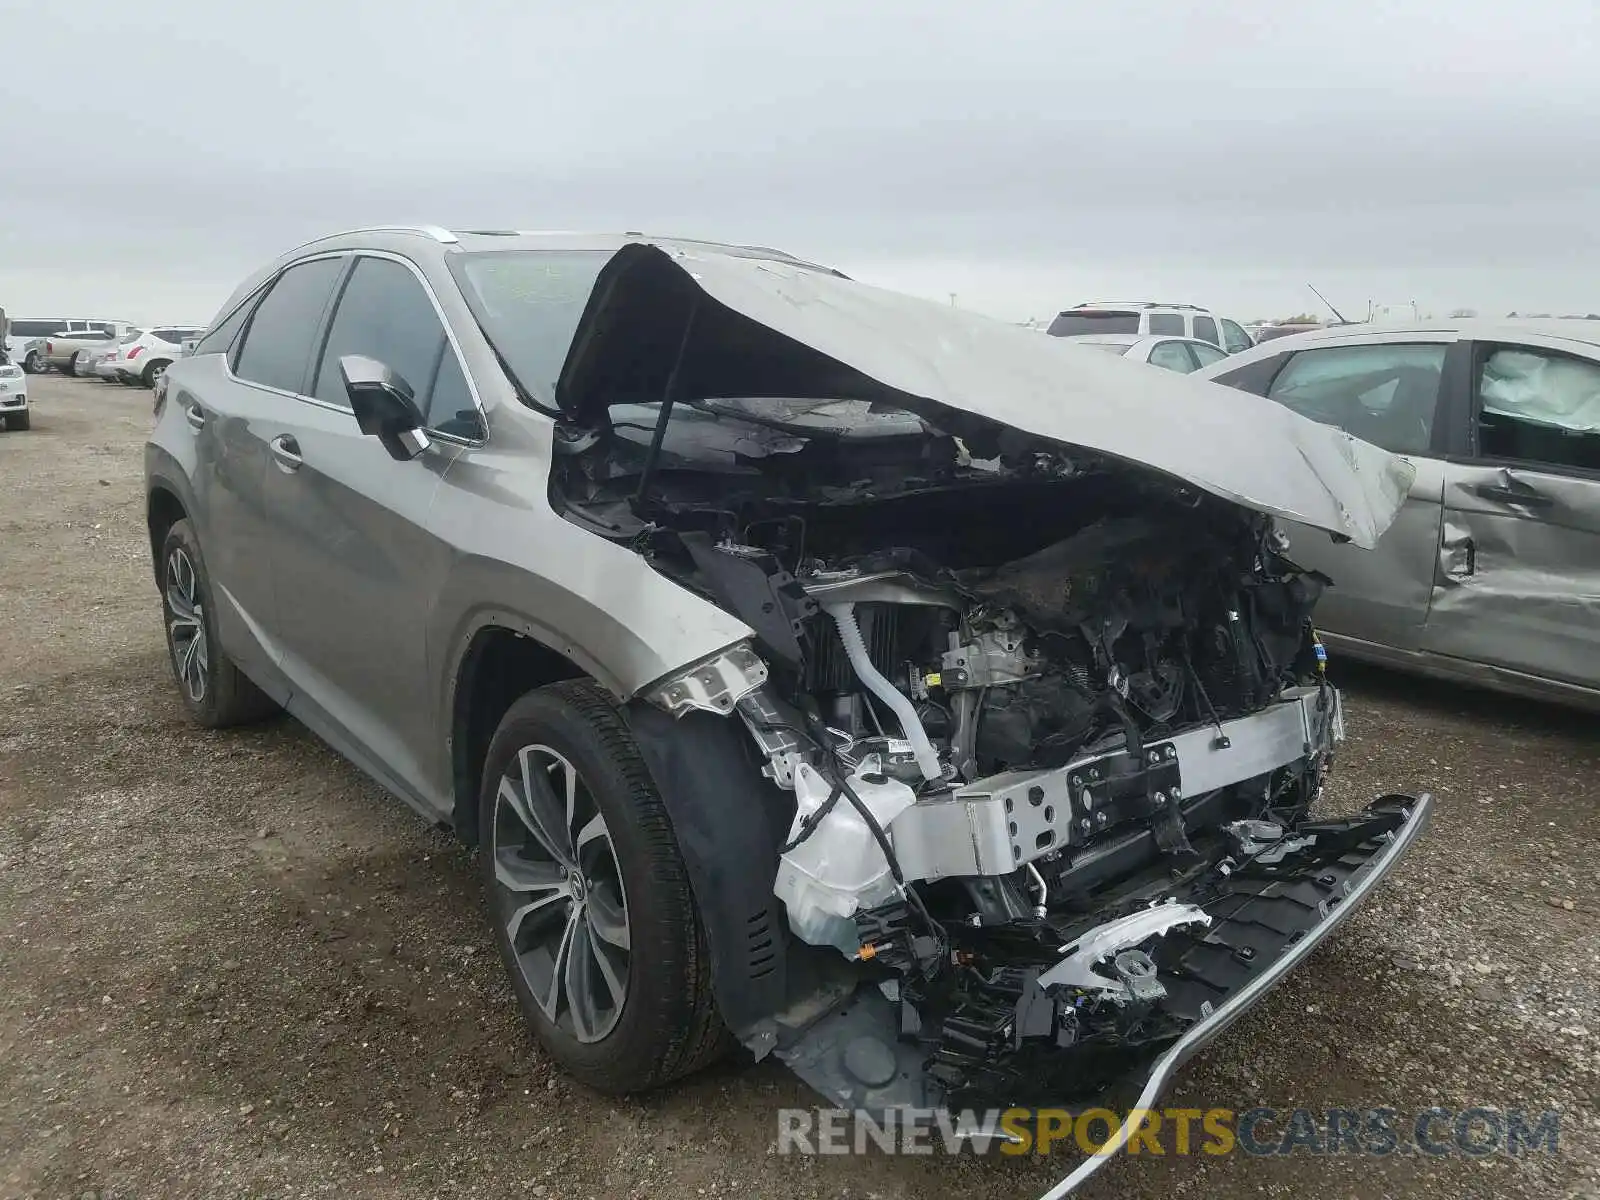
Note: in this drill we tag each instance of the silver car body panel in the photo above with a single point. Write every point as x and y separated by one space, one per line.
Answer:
1491 572
989 826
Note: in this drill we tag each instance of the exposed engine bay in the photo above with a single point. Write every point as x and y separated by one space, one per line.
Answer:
1052 733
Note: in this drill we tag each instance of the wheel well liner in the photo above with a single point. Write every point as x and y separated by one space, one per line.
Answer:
730 823
163 510
498 667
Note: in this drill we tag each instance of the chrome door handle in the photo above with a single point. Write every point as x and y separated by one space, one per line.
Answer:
286 453
195 415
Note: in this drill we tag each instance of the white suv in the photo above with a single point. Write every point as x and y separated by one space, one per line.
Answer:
1148 318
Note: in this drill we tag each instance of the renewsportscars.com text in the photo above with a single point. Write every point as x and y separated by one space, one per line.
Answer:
1474 1132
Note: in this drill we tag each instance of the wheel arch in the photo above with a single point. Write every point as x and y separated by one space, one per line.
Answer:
164 508
499 664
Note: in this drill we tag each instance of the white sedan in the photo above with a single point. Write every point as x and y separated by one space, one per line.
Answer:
1178 354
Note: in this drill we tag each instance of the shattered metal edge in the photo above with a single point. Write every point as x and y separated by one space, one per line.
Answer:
1210 1027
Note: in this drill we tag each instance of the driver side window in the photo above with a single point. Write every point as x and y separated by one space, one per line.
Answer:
385 313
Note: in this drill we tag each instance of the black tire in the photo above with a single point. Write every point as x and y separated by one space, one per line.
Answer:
215 693
147 377
18 422
71 369
30 363
667 1024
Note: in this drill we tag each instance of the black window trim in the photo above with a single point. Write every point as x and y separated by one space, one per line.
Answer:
1475 354
231 358
249 302
325 329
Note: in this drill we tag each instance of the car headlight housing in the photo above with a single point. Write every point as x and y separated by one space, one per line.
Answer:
713 684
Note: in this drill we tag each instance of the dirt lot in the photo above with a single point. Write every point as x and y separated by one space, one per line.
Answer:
230 966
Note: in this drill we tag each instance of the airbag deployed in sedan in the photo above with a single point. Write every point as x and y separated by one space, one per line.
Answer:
765 328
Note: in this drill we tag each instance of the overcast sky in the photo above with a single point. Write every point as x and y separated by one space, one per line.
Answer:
1023 156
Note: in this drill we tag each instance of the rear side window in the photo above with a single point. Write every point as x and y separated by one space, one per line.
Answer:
1070 324
1166 324
1172 356
278 339
220 339
1206 330
385 313
1386 394
37 329
1234 338
175 336
1207 354
1537 406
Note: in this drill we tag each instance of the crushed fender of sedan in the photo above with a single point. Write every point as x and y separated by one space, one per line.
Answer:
1037 707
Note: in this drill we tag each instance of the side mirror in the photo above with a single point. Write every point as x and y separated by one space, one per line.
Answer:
384 407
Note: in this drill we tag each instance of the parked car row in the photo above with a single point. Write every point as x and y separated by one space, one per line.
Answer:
96 349
32 341
139 358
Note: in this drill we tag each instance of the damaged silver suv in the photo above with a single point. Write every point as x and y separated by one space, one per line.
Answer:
882 687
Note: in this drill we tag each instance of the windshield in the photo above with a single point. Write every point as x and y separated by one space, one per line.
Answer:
529 303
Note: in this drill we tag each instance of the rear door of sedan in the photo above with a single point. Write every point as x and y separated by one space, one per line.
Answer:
1519 579
355 567
1384 389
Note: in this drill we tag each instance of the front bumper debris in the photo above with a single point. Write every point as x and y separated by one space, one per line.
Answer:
1261 925
1332 912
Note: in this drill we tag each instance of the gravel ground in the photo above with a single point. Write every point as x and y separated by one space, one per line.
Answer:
230 966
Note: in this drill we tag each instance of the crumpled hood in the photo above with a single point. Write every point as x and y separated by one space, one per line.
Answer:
763 328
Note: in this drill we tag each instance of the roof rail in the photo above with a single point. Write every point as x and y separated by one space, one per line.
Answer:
437 232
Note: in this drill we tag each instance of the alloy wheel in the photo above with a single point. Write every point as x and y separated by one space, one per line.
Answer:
186 625
559 893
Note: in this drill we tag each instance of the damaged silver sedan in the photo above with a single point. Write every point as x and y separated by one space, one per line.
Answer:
902 694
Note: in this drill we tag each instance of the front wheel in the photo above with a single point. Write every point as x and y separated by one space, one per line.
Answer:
215 692
18 422
590 898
